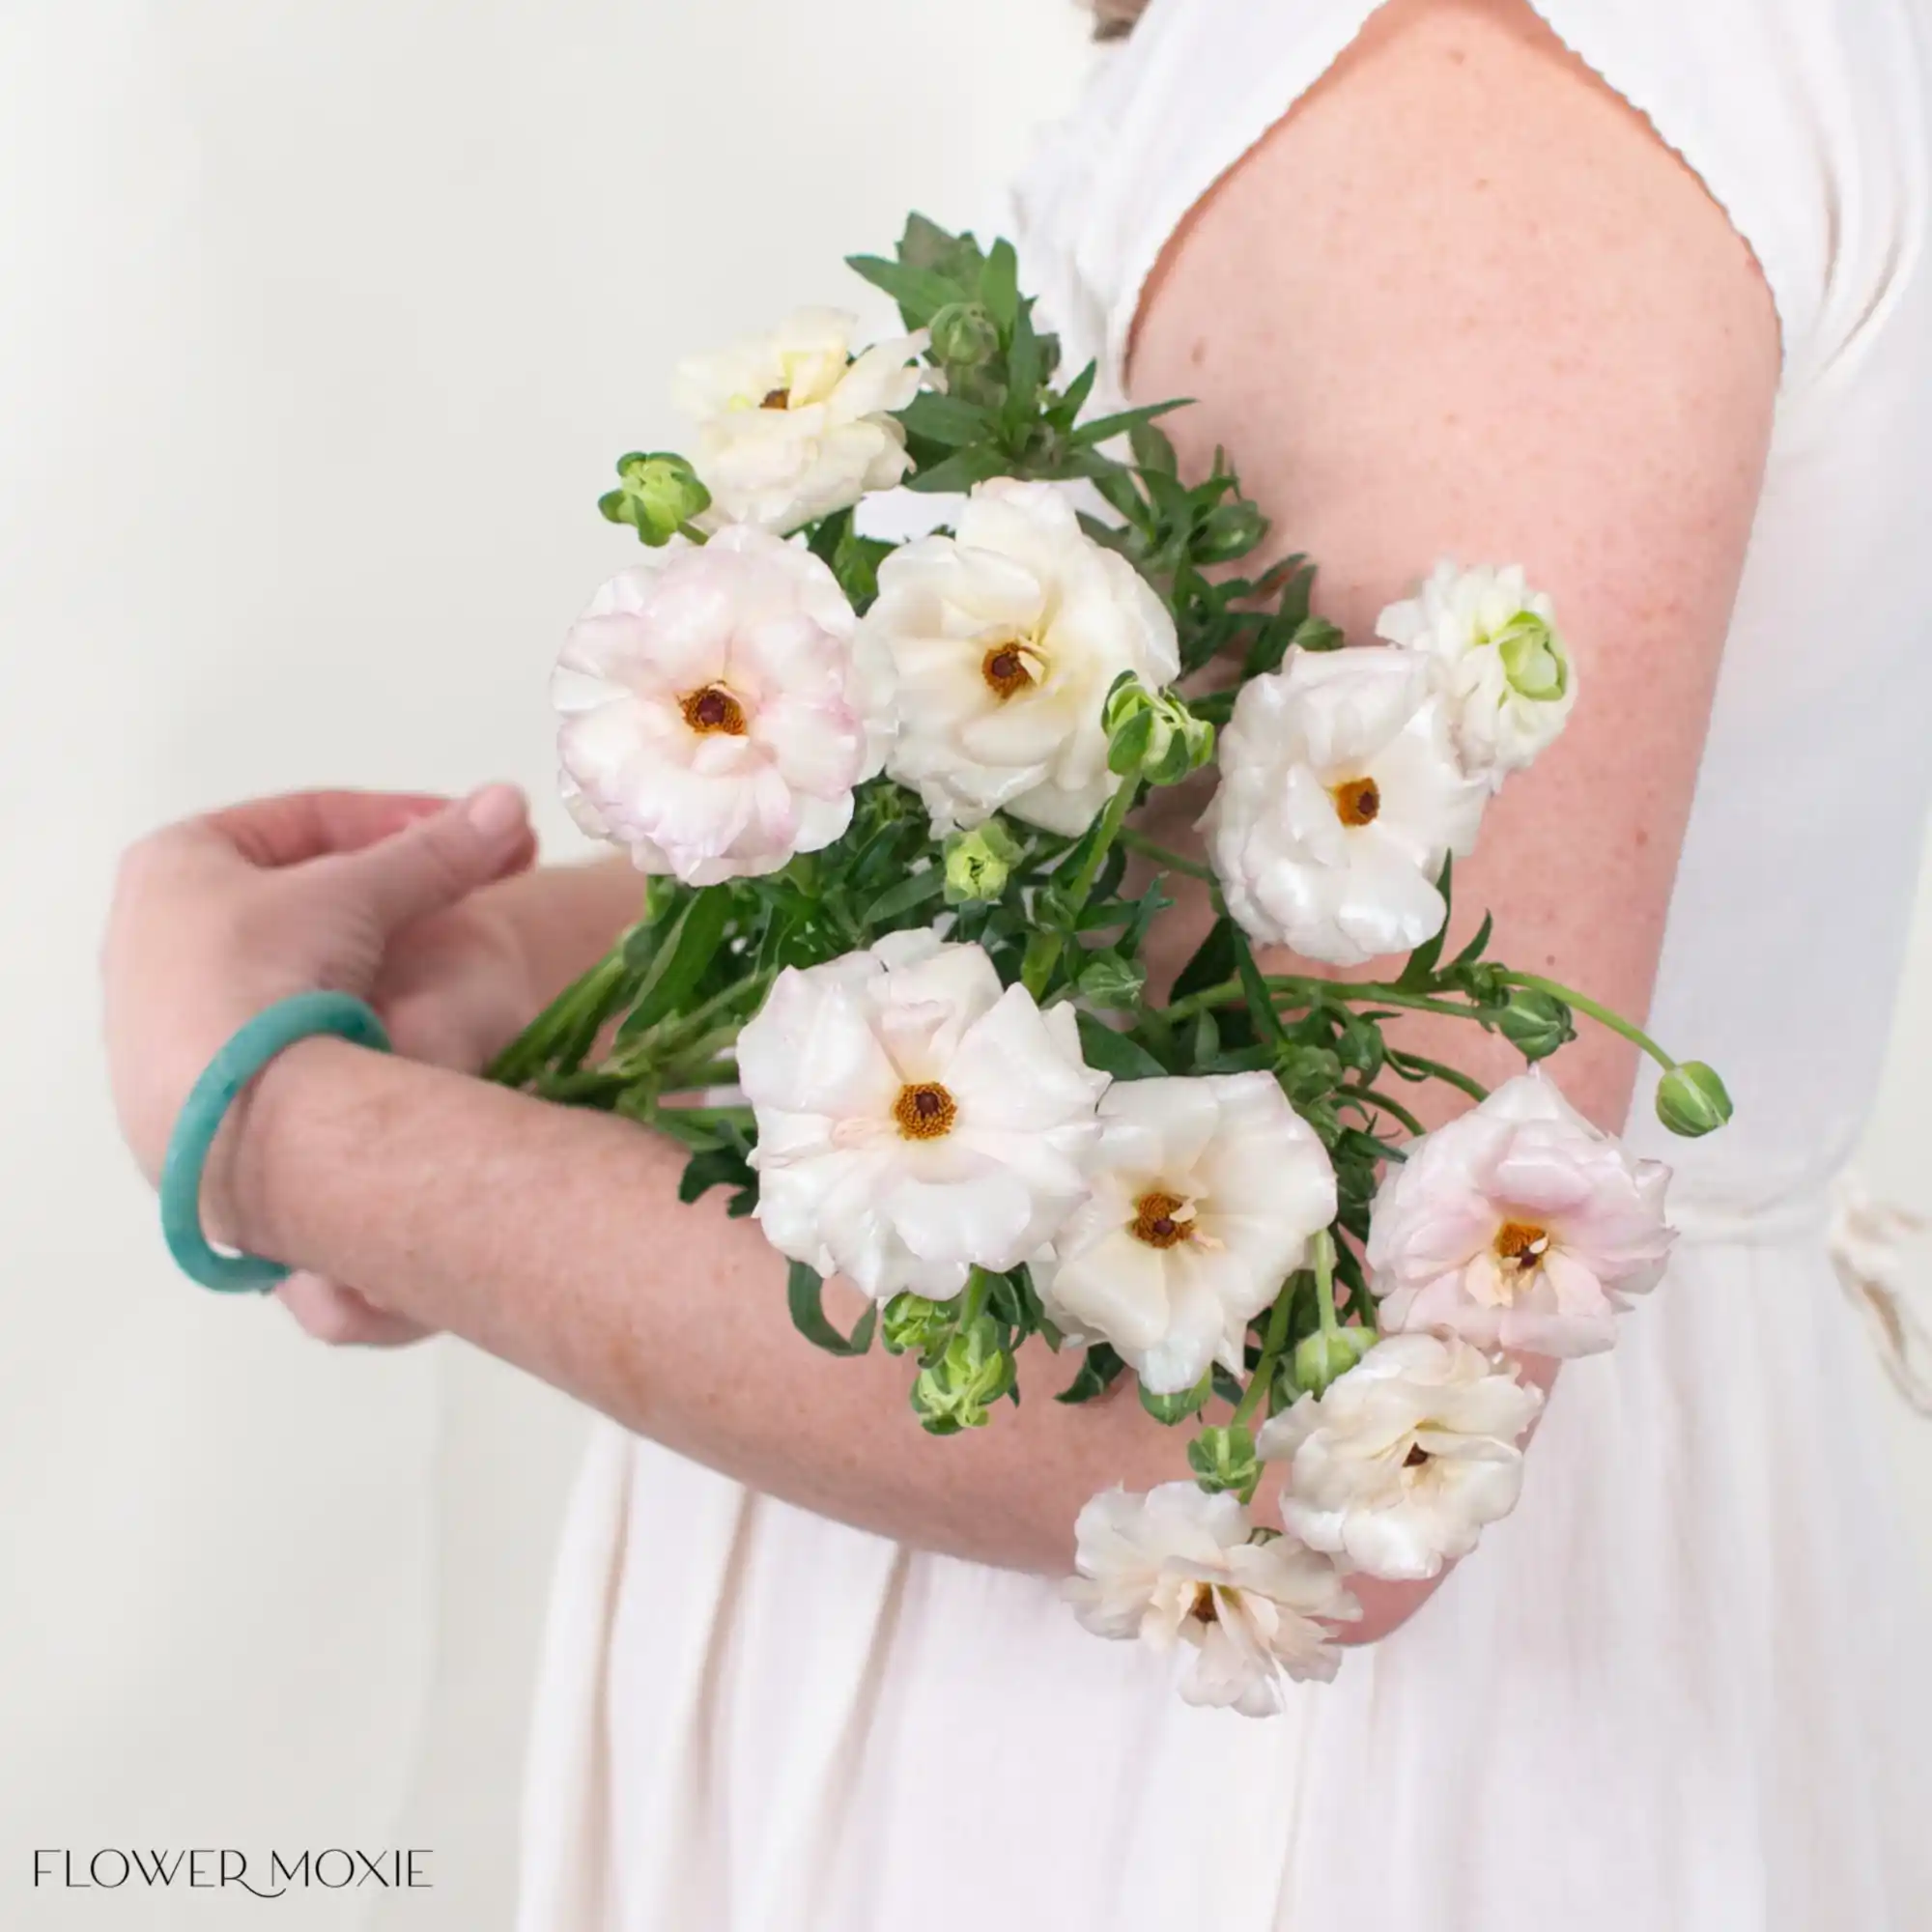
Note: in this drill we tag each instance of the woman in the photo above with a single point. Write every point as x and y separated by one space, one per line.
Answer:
1440 286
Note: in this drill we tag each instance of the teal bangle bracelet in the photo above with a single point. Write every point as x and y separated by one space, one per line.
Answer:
268 1034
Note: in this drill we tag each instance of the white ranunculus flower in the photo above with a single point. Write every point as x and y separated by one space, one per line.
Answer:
1340 797
913 1118
1399 1464
1004 641
715 716
1177 1566
1517 1226
791 427
1493 645
1205 1194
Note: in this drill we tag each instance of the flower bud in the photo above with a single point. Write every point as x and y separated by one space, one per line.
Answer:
954 1392
1154 733
979 863
964 334
1183 1403
1328 1355
910 1324
656 494
1533 658
1109 981
1536 1023
1692 1100
1224 1458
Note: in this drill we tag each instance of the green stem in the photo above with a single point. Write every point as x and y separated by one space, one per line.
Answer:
1273 1345
1168 861
536 1045
1323 1246
1435 1071
1382 1100
1599 1012
1043 956
979 1284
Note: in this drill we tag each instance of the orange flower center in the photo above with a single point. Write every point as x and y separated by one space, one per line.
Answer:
1007 672
714 709
776 399
925 1112
1201 1608
1160 1220
1357 800
1521 1245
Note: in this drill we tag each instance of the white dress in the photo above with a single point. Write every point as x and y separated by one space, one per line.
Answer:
1681 1688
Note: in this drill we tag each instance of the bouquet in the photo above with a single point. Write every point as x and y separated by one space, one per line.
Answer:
888 983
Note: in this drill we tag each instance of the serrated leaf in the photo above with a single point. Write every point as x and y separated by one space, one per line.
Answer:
805 1290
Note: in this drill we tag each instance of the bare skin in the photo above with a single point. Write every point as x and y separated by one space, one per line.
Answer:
1460 300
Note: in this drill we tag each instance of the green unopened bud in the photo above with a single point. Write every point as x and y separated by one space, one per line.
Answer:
1180 1405
964 334
956 1390
1328 1355
656 494
910 1324
1154 733
1534 659
1230 530
1692 1100
1224 1458
979 863
1109 981
1536 1023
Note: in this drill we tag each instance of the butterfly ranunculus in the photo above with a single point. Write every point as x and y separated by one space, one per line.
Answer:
1005 639
716 717
1518 1225
1493 645
791 426
1203 1195
914 1119
1340 798
1177 1566
1398 1465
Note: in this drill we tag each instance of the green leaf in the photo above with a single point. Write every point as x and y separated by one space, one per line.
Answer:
723 1167
1153 452
946 419
1476 948
676 966
805 1288
1000 285
1114 1053
1025 365
925 244
1213 961
1421 967
1178 1407
959 471
1102 428
1318 634
1077 391
1098 1373
920 292
912 891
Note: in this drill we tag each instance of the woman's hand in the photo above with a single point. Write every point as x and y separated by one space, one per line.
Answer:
375 895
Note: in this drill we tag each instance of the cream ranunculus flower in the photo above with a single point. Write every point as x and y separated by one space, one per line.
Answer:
1177 1566
1004 638
1399 1465
1498 659
1205 1194
915 1119
715 716
1518 1225
791 427
1340 797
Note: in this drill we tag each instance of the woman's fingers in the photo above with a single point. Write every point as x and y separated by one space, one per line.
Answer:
302 825
435 861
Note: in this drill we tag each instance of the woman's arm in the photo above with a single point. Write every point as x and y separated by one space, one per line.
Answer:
1460 299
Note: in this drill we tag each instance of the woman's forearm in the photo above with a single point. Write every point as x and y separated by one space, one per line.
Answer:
555 1239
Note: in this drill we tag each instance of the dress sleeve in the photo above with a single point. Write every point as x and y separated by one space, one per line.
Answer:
1804 119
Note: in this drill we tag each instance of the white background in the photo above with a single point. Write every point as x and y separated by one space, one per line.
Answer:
321 321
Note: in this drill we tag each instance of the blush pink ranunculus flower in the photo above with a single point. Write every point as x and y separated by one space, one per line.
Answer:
1517 1226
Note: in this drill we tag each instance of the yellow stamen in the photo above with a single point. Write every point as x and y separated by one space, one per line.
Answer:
713 708
1357 800
925 1112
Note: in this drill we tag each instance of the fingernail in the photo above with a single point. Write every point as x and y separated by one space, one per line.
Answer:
497 812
